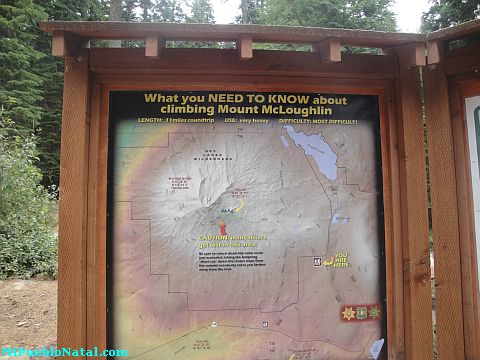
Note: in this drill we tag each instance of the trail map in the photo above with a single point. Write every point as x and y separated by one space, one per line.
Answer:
245 226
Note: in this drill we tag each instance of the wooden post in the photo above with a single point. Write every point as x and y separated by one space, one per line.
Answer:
72 227
330 50
154 45
444 216
433 52
414 217
66 45
409 55
245 48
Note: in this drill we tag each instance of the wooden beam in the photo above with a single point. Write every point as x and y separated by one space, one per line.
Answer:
445 230
409 55
154 45
245 48
463 61
414 217
65 44
226 62
330 50
456 32
72 226
433 52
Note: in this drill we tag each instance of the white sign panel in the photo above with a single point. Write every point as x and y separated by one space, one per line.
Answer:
472 106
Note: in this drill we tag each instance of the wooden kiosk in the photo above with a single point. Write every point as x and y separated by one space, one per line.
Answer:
395 78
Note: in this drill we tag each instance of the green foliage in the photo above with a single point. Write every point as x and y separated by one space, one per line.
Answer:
20 91
48 130
28 242
350 14
70 10
445 13
128 11
50 71
252 11
168 11
201 12
145 6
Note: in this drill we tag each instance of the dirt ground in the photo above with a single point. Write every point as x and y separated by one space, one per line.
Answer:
28 313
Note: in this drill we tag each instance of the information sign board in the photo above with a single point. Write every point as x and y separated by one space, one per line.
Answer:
245 225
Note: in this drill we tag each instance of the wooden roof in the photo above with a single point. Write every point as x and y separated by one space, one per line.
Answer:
455 32
69 36
206 32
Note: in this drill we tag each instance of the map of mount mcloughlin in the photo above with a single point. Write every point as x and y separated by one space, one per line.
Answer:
246 240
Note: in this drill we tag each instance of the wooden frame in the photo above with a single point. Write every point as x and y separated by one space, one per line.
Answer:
414 218
459 90
445 229
447 84
104 83
395 78
73 205
471 289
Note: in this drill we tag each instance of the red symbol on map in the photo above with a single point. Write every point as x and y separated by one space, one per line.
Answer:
223 232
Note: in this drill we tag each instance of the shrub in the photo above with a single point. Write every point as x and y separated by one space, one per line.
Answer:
28 239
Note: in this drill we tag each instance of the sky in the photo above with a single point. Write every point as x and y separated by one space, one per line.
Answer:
408 12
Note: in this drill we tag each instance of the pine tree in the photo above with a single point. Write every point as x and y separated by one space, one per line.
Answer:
71 10
201 12
250 11
350 14
129 15
20 86
50 70
128 11
168 11
48 133
145 6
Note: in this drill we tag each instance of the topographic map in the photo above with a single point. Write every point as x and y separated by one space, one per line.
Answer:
246 236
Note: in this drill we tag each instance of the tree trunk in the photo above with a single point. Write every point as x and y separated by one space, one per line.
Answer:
244 11
115 15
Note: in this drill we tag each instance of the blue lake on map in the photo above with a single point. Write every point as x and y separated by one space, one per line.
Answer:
316 146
